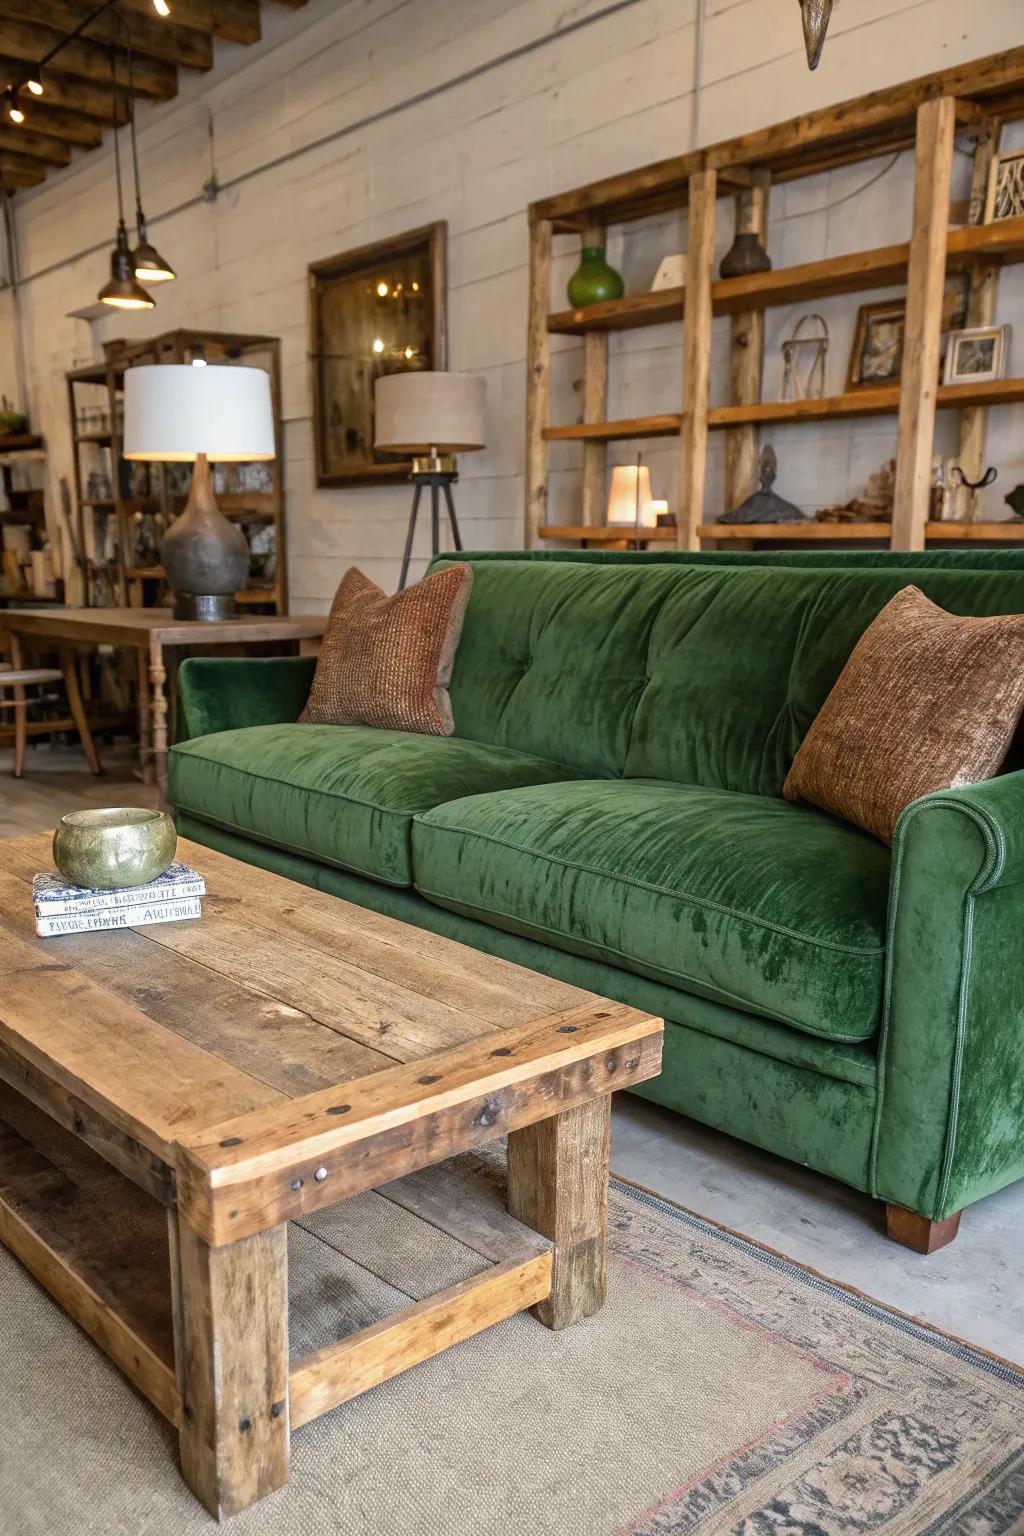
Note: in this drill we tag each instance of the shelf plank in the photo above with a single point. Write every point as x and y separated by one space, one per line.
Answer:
602 533
811 531
633 312
608 431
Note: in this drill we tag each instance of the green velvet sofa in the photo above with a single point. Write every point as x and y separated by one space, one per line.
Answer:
610 812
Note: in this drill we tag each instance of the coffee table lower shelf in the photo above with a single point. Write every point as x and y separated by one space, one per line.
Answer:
366 1292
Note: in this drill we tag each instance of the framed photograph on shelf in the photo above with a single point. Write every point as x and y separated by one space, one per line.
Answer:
1005 187
877 355
978 355
377 310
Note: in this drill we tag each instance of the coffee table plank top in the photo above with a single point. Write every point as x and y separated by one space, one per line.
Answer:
278 992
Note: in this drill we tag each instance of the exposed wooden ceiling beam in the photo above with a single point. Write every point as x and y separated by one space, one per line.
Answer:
88 61
36 146
237 21
68 92
150 37
18 171
59 123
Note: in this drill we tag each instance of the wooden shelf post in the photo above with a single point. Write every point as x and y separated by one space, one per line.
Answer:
693 435
982 287
926 278
746 355
595 407
538 380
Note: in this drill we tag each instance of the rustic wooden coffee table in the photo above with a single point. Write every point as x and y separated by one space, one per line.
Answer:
225 1081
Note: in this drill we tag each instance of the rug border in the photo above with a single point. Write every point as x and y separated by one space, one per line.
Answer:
849 1295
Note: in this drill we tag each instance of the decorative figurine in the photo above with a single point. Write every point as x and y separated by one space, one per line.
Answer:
803 357
816 15
764 506
874 506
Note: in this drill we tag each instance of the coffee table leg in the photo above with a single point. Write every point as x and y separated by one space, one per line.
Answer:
231 1355
558 1184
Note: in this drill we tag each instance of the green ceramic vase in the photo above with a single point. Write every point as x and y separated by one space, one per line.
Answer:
594 280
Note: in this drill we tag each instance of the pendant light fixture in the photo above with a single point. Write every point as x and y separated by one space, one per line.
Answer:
147 263
123 291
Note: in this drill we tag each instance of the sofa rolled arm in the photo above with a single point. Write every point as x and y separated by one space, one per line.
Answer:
949 1124
222 693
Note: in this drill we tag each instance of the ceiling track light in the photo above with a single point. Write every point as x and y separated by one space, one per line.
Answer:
123 291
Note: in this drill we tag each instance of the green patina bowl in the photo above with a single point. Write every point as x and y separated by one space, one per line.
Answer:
125 845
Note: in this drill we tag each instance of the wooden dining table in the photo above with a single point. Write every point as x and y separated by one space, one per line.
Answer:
157 638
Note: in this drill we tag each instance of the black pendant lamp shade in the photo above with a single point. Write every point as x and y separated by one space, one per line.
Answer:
123 290
147 262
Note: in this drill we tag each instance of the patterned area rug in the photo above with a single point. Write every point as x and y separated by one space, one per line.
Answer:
722 1391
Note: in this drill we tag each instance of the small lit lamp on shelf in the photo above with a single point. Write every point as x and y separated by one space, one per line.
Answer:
176 413
630 504
432 416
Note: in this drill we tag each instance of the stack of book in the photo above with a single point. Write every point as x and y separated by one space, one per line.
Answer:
62 908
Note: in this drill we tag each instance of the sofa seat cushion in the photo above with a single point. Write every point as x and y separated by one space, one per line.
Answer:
344 794
774 908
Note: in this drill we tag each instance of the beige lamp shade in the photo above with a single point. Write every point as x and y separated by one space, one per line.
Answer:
420 411
174 411
629 500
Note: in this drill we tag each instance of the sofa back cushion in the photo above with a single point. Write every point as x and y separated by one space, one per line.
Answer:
700 674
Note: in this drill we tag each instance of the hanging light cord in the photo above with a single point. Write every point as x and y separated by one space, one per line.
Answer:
117 148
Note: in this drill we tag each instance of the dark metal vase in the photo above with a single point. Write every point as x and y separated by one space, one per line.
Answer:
205 558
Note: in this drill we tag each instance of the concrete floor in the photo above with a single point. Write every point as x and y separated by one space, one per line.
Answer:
971 1289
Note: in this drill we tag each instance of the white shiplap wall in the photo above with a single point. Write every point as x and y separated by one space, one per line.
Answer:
468 111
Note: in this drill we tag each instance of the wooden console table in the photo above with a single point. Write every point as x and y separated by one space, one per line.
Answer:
150 632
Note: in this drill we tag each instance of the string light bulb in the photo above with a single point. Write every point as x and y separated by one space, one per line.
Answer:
382 289
14 112
161 7
35 83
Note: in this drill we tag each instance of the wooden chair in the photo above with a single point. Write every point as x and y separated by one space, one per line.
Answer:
16 678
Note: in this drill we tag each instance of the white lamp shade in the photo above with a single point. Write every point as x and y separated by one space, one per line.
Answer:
173 411
419 411
629 500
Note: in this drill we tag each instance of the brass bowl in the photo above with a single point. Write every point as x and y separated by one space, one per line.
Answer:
125 845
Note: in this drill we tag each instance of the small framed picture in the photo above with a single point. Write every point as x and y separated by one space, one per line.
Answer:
1005 187
877 355
978 355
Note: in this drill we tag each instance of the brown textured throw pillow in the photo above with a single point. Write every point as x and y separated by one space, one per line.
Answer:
387 661
928 700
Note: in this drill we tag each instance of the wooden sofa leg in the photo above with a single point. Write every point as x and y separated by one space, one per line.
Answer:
917 1232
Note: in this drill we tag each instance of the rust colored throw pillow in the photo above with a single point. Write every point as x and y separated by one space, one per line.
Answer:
387 661
928 700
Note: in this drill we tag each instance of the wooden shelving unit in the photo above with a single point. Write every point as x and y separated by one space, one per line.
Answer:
923 114
100 448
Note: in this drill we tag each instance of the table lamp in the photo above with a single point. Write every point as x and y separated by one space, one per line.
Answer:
179 413
432 416
630 503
